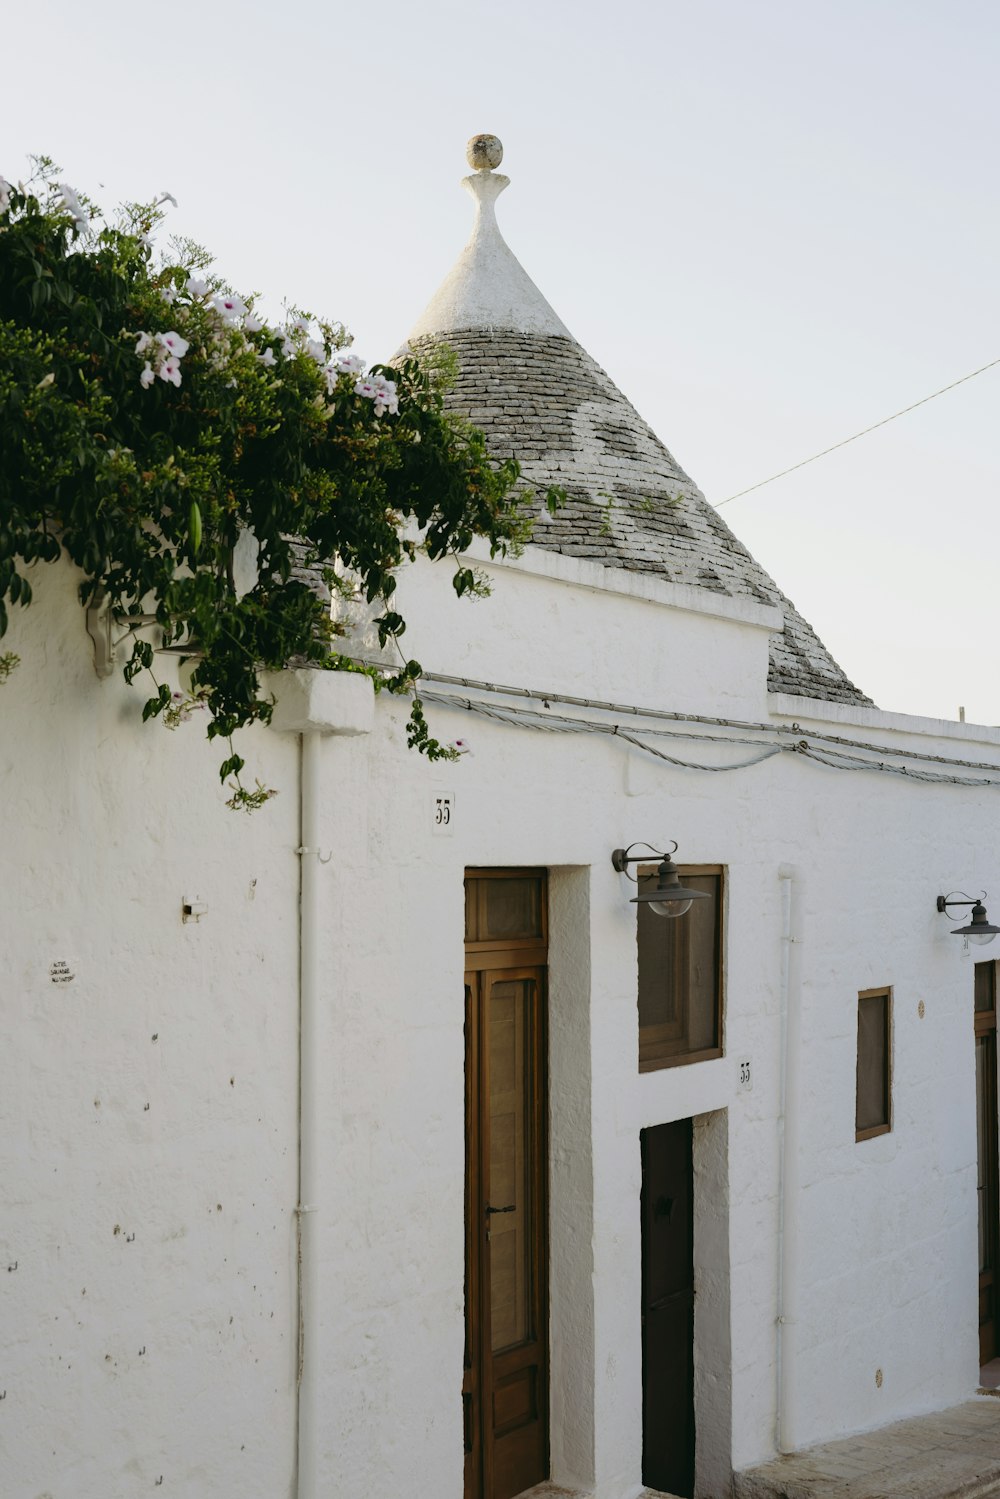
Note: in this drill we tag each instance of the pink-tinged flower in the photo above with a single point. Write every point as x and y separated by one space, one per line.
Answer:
348 364
381 391
144 342
196 288
147 377
267 357
170 370
252 323
229 308
174 344
299 327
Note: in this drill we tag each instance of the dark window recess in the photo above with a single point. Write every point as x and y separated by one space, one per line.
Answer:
680 976
873 1113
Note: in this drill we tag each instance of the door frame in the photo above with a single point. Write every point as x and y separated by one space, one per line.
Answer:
516 958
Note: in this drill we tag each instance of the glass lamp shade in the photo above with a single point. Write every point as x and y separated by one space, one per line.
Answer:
670 907
669 897
979 929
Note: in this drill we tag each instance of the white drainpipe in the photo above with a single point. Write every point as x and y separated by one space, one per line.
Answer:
789 1185
312 704
310 873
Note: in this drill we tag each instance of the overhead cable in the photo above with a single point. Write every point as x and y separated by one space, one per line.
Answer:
835 759
669 716
863 433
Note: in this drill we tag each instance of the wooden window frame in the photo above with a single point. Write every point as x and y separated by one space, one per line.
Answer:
648 1060
883 991
525 949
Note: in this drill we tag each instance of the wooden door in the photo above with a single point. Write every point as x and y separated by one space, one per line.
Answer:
505 1390
987 1179
667 1209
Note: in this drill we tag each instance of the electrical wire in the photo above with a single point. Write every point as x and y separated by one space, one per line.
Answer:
834 759
665 715
525 718
863 433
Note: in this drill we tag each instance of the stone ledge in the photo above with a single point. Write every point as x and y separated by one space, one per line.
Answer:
324 702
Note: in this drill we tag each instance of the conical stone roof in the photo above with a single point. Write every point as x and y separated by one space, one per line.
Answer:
538 396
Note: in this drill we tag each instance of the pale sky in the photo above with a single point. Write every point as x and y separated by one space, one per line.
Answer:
773 223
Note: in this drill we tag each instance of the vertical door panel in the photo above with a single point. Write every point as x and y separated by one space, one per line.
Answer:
987 1182
667 1209
506 1377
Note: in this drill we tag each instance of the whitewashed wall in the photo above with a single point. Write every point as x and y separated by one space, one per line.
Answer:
888 1227
114 821
147 1106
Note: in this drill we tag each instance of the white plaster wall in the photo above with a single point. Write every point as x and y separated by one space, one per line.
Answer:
888 1227
591 641
148 1107
115 821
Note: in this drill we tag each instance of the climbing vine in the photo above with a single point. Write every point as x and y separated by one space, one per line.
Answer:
156 431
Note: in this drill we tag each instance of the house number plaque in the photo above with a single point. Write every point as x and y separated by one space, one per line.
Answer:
443 813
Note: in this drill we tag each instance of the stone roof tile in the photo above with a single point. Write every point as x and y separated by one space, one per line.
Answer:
629 503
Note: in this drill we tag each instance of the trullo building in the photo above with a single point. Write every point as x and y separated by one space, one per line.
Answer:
700 1168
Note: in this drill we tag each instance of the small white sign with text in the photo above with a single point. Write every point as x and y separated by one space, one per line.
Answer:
744 1075
442 813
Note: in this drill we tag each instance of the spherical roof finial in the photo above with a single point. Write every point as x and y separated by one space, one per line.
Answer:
484 152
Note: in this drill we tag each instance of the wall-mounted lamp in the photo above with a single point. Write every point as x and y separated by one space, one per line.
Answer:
978 928
668 897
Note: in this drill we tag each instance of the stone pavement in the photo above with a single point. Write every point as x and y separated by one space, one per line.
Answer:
953 1454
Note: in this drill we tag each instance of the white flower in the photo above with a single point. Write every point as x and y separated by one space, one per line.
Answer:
5 192
147 377
348 364
287 347
45 381
144 342
174 344
252 323
169 294
170 370
316 351
196 288
267 357
299 327
230 309
381 391
70 201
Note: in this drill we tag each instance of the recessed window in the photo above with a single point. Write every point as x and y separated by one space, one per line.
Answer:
873 1113
680 974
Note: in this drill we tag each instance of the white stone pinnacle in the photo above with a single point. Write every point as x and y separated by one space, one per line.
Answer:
487 287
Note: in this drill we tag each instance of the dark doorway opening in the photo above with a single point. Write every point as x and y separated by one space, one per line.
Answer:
987 1180
667 1209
